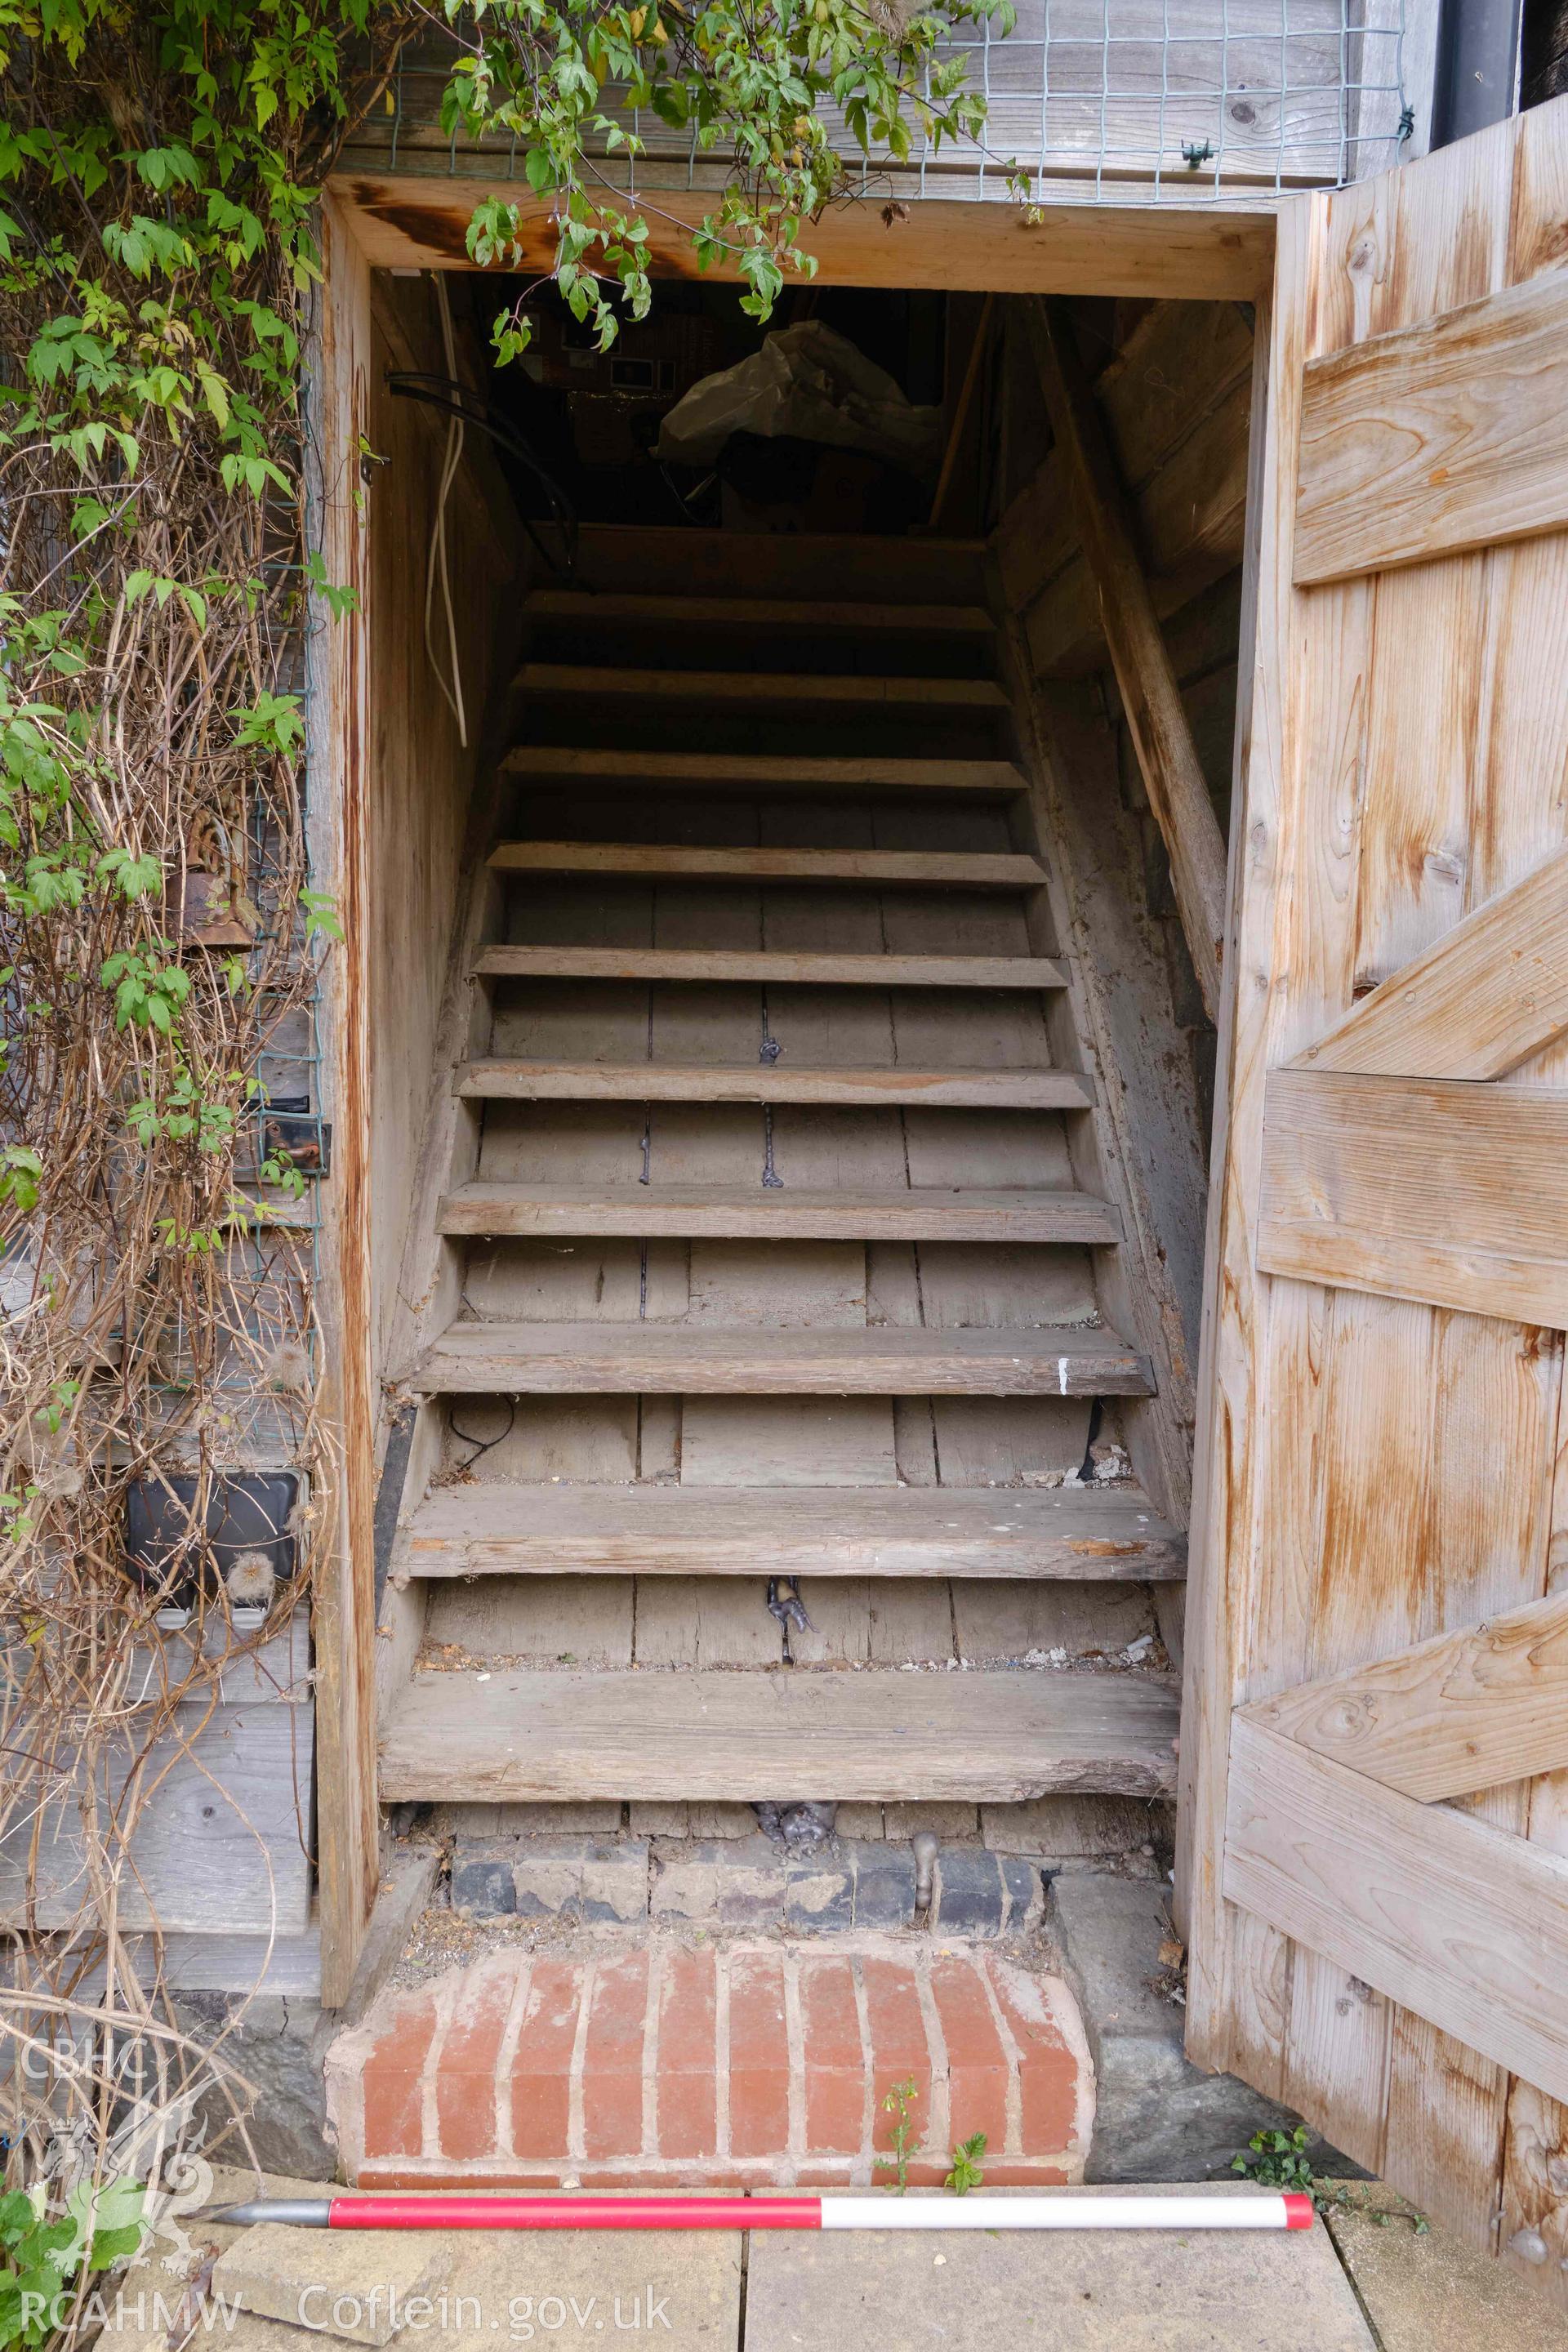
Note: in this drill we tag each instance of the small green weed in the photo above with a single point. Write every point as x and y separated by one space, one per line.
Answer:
966 2173
40 2259
1356 2197
1276 2159
898 2102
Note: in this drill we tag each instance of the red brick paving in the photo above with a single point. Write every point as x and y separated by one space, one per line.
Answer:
393 2081
542 2067
759 2069
612 2073
685 2085
751 2065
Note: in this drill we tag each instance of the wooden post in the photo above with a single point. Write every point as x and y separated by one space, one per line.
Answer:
346 1812
1161 738
961 413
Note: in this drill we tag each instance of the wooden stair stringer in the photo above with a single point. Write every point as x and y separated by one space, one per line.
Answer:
1140 1286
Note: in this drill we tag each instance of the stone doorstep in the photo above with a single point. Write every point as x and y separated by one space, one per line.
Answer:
749 1881
1157 2115
662 2062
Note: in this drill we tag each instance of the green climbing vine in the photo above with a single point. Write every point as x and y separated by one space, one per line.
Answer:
160 936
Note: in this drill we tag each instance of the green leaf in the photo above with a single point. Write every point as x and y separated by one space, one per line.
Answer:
18 2214
112 2246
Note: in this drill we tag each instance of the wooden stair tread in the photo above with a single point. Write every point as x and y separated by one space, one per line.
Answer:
1076 1532
508 1078
752 689
761 1359
772 968
614 608
893 868
1001 1736
727 1212
770 772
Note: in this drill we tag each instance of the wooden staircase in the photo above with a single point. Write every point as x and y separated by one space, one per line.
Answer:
765 1230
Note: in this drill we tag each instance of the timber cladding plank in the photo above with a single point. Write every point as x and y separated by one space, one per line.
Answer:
724 1213
883 1735
1449 434
890 868
829 775
679 1358
1462 1712
224 1798
771 968
1426 1189
772 1082
1088 1534
1493 992
1462 1923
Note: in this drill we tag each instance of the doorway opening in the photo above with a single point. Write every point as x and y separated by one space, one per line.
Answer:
789 1285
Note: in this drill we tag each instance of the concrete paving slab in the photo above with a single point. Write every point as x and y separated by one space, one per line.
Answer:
355 2284
679 2290
1434 2293
1203 2291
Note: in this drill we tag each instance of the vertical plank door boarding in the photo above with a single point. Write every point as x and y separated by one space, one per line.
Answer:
1374 1831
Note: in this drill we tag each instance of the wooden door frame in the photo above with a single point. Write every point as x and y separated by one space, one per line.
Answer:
409 222
1222 252
337 379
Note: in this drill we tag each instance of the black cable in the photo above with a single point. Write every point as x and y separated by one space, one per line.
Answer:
483 1444
471 408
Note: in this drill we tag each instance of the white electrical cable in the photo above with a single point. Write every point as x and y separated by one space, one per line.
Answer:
437 555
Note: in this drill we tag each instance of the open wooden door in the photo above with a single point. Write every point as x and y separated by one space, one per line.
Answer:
1375 1741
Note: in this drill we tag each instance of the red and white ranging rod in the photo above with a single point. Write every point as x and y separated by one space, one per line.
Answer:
1061 2211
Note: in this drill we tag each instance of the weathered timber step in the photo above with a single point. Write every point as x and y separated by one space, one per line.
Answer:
517 1737
773 774
775 615
724 1213
678 1359
918 869
1091 1533
787 690
511 1080
772 968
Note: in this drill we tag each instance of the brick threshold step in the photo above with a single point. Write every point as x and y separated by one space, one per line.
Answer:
758 2064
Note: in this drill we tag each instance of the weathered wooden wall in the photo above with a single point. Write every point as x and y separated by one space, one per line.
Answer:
1165 380
1173 384
1173 381
1375 1470
421 775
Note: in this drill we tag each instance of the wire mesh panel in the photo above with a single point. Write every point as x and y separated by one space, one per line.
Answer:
1184 101
1188 98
